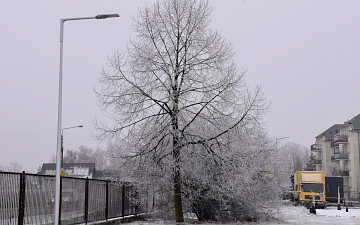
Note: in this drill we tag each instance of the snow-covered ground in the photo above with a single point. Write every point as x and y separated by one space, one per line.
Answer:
330 215
296 215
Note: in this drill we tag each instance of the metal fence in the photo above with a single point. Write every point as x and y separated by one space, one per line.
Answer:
29 199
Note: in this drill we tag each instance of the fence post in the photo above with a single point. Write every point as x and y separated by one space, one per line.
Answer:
21 199
123 201
107 200
86 199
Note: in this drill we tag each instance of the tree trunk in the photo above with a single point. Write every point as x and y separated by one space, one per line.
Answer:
177 178
177 198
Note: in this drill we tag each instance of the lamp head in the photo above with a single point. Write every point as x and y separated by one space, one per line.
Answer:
104 16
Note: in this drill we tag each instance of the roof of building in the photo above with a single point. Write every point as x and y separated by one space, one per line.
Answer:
102 174
334 129
355 122
73 169
330 132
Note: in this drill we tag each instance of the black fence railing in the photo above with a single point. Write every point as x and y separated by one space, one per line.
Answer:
29 199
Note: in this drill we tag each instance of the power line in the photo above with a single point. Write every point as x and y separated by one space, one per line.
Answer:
21 137
68 143
4 135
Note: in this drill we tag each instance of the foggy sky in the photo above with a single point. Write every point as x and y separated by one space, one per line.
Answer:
304 53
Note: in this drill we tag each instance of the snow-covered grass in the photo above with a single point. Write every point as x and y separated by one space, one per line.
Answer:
330 215
289 214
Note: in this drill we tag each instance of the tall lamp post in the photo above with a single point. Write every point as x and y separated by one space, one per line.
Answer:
58 149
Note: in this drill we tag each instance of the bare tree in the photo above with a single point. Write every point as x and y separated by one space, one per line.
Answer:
39 169
293 156
232 183
333 169
88 155
14 167
177 87
52 159
70 156
310 163
85 155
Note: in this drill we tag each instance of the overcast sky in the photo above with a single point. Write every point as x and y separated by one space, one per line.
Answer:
306 55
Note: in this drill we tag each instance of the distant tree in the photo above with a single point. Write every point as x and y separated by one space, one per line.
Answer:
39 169
70 156
14 167
298 164
290 157
333 169
177 92
310 163
52 159
87 155
102 160
293 156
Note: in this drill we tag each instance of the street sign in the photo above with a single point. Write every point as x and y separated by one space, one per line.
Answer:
63 173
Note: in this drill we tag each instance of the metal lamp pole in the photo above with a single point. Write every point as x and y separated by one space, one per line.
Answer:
58 149
62 143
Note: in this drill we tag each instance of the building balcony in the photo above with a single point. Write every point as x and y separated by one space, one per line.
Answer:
338 156
315 148
317 161
340 138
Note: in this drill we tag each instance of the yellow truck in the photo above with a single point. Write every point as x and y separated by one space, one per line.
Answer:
309 186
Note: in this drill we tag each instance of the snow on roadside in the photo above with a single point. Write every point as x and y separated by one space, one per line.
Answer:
330 215
294 215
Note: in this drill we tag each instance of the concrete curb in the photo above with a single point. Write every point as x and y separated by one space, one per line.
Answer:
126 219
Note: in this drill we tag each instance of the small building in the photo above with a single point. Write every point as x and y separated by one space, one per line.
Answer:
80 170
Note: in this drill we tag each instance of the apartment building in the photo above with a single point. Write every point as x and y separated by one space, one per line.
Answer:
337 152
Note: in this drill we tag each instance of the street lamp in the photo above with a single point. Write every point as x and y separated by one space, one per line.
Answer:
62 143
59 131
276 141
